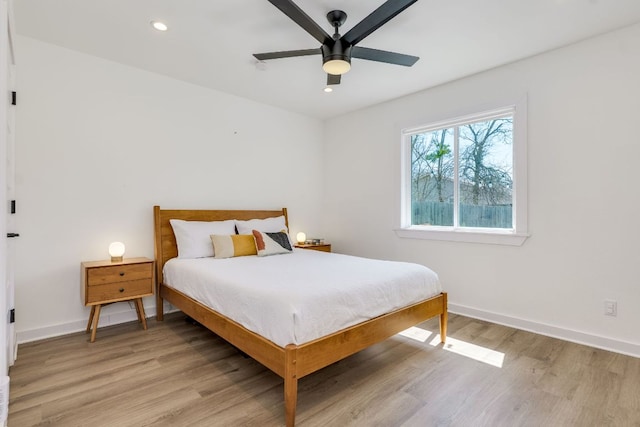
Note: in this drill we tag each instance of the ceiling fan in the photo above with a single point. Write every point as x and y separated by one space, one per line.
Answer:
338 50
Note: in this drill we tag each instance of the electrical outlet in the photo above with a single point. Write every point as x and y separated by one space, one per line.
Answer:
610 308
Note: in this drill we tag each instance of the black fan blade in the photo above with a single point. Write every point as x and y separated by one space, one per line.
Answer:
383 56
333 79
287 54
290 9
375 20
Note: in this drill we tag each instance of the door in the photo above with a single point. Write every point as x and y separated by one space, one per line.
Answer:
12 345
7 173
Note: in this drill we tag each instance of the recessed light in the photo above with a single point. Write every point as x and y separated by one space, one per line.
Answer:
328 89
160 26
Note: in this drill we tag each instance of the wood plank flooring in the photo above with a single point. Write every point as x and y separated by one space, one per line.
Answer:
180 374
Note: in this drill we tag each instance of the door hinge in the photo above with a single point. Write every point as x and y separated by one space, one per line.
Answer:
12 315
14 98
12 207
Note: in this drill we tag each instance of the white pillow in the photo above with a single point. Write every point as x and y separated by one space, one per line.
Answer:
193 237
267 225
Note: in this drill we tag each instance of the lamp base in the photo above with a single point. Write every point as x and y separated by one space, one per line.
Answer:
116 259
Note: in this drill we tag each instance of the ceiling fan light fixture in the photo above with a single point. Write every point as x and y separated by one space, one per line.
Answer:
336 59
336 66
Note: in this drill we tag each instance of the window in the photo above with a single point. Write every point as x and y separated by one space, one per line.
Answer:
464 179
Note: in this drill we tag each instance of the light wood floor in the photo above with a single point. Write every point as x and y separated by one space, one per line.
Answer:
179 374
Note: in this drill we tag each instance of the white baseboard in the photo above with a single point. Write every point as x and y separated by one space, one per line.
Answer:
106 319
592 340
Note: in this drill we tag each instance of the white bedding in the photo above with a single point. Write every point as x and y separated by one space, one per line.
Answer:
298 297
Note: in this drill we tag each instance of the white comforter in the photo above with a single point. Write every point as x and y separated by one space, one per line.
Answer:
298 297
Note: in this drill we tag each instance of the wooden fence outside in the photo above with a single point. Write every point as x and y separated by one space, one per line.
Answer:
441 213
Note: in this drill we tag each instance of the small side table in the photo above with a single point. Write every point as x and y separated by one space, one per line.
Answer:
106 282
324 247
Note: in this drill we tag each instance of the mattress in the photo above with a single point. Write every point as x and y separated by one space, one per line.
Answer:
299 297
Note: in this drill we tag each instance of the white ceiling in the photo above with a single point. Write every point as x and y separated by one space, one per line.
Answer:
211 42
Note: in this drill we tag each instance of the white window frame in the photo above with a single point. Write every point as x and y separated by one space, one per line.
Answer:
515 236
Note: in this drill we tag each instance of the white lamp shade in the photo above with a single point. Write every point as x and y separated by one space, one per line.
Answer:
116 250
301 237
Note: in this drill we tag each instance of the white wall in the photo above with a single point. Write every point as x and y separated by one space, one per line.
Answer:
583 161
99 143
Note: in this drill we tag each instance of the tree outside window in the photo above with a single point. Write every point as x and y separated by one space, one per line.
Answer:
462 175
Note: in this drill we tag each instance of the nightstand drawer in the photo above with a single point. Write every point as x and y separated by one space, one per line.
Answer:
119 291
322 247
119 273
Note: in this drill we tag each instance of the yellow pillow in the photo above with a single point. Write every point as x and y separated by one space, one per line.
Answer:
228 246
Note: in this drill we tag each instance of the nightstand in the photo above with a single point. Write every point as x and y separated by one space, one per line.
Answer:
106 282
324 247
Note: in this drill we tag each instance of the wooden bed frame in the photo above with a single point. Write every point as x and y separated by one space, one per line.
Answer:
293 361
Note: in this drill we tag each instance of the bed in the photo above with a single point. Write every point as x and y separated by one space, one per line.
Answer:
291 357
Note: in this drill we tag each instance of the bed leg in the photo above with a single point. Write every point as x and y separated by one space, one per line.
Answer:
290 385
444 318
159 306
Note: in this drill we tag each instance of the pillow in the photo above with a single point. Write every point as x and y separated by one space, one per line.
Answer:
228 246
272 243
269 225
193 238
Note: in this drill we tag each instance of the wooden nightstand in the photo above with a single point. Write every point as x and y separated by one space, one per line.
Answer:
324 247
106 282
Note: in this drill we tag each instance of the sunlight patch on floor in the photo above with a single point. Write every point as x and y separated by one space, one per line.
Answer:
476 352
416 333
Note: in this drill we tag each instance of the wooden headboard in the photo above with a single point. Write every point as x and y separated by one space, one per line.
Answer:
165 246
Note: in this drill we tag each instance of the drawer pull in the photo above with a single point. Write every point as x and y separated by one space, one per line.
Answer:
122 273
121 289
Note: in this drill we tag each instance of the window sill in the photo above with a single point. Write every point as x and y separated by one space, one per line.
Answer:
468 236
